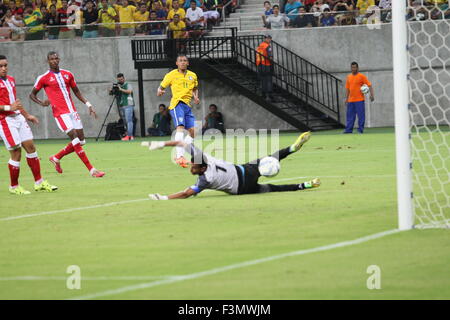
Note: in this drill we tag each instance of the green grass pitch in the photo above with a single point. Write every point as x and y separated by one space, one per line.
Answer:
130 243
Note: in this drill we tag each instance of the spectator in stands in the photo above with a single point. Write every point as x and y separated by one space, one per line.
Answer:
14 8
33 21
75 17
417 12
355 99
155 28
63 18
291 9
304 19
277 20
267 11
214 120
56 3
15 23
126 13
195 20
385 6
264 67
161 122
3 9
308 4
108 17
142 16
90 18
326 19
176 10
345 14
210 12
52 23
161 13
362 6
177 28
187 4
44 11
35 4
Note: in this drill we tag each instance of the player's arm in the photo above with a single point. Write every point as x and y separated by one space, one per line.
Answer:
77 93
25 113
179 195
33 97
167 81
195 95
347 93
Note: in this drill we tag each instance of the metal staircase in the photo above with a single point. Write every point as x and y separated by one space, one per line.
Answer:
305 96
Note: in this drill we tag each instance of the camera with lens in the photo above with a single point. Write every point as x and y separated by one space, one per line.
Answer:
115 90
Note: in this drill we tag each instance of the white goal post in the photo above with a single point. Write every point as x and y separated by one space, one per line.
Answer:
421 61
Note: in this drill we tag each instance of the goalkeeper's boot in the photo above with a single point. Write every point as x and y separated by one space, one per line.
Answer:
301 140
182 162
315 183
18 190
45 186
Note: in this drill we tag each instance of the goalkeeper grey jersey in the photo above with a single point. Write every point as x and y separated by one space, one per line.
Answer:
220 175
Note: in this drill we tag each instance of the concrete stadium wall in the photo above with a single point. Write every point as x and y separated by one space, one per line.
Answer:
95 62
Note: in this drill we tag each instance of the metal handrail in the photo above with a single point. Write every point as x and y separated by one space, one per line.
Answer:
238 2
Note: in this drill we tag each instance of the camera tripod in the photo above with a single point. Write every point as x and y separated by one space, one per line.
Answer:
116 99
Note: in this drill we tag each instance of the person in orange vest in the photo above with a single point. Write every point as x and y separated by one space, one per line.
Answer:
264 59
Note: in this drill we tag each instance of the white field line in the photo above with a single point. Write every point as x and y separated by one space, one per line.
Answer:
109 204
201 274
83 278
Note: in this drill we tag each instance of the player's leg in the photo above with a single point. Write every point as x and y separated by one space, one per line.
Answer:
34 163
351 116
78 141
263 188
11 137
283 153
65 125
361 112
178 120
72 126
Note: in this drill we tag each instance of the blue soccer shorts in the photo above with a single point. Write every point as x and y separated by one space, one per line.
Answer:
182 116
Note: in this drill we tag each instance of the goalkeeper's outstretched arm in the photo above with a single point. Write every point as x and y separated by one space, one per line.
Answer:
179 195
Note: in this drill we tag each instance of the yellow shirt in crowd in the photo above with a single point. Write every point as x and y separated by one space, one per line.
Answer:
126 14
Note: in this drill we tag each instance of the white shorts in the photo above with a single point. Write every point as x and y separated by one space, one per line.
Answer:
14 130
69 121
211 14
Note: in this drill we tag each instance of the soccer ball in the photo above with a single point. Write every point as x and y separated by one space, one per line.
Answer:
269 166
365 89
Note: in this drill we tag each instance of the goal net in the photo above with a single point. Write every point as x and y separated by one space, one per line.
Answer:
428 55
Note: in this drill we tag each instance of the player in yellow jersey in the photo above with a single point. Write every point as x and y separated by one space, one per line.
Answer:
184 86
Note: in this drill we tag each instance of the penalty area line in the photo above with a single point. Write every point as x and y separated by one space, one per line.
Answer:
201 274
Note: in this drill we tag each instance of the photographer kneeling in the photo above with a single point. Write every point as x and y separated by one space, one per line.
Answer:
124 93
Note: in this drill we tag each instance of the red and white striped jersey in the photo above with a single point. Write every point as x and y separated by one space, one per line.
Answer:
7 95
57 87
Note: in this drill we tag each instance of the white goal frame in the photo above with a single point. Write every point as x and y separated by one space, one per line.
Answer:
401 103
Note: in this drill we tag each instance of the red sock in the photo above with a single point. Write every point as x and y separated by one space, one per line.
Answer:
65 151
35 166
81 154
14 170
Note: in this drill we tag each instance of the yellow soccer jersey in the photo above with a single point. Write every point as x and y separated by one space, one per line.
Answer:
182 86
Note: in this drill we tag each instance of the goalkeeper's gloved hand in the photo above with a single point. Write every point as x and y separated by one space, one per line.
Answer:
157 196
156 145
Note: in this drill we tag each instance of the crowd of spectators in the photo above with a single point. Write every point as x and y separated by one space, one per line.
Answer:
325 13
67 19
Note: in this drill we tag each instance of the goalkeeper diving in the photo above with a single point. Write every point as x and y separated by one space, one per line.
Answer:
224 176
